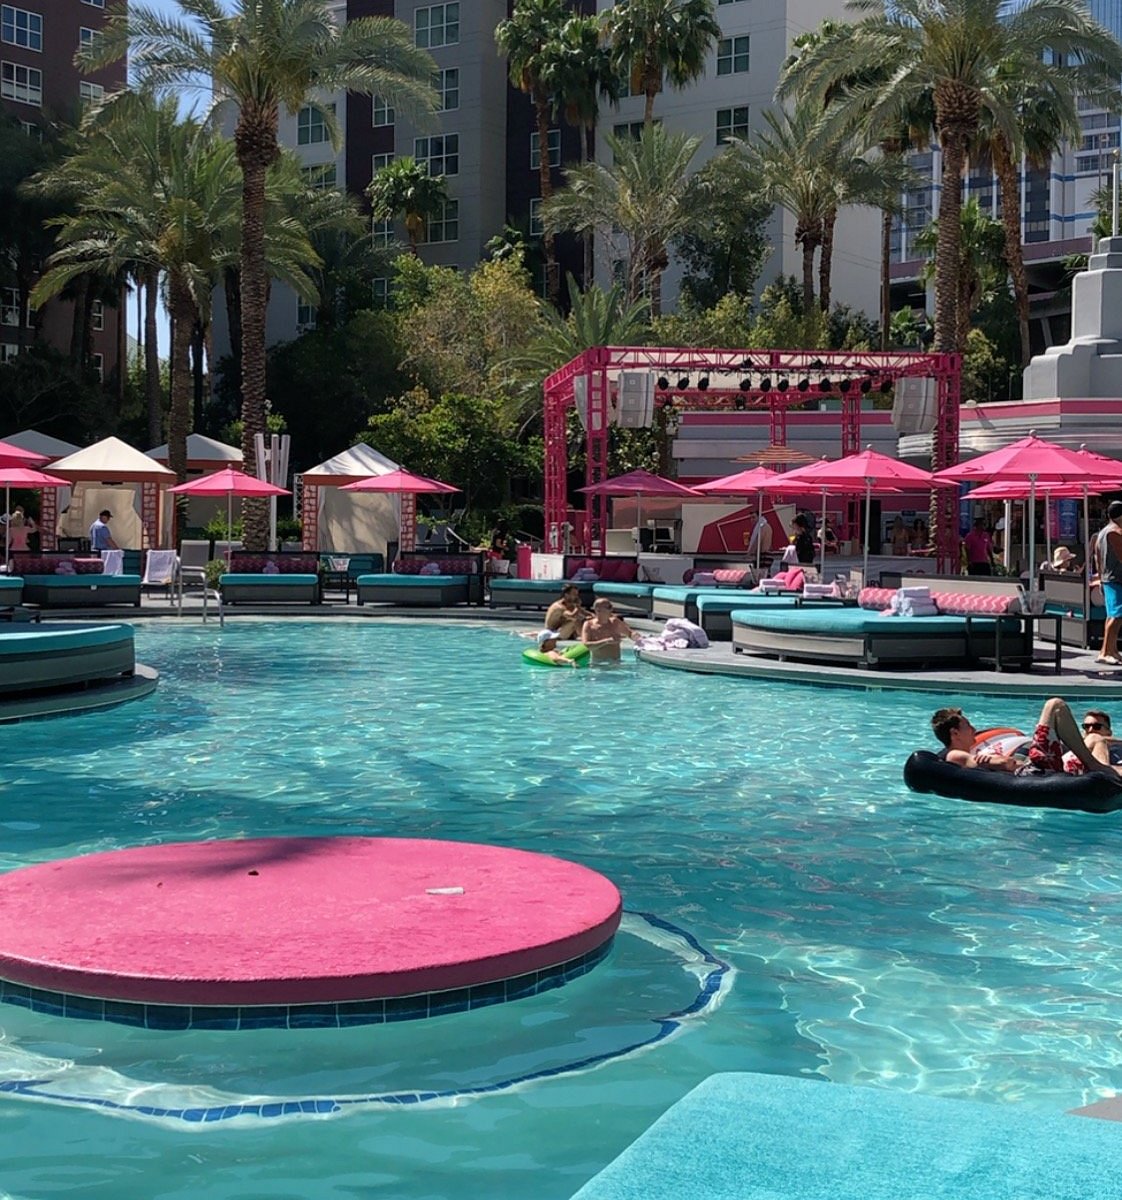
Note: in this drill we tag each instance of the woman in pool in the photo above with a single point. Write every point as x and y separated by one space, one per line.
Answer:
604 631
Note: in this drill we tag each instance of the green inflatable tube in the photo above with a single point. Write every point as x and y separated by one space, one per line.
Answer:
578 652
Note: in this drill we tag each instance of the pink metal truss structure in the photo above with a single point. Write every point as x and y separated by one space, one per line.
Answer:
592 377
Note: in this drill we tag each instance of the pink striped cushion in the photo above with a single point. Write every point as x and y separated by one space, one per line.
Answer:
876 599
961 604
730 575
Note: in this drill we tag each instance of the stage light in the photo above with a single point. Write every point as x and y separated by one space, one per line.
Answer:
825 386
663 383
817 365
886 386
781 385
703 383
765 384
683 383
738 402
804 385
746 383
865 386
843 386
747 365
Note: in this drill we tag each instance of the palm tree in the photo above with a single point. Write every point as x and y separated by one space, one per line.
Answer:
261 57
583 74
953 50
179 215
981 268
794 174
527 38
657 40
404 188
639 204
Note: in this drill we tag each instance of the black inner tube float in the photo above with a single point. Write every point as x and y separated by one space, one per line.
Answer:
1096 792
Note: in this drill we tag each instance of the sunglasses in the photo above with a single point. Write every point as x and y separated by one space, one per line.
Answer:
1092 726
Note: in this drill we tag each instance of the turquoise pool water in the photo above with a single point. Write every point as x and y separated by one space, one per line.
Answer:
906 942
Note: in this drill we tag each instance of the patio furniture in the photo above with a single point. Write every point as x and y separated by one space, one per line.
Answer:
54 580
1081 624
275 577
60 655
426 579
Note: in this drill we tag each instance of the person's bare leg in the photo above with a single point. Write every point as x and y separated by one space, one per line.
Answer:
1057 716
1110 638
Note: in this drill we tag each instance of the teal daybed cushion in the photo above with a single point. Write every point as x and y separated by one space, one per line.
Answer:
82 581
623 589
729 602
259 580
690 595
18 639
10 583
410 580
852 621
501 583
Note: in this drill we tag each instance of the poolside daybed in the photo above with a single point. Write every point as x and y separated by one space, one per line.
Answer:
54 580
11 591
602 573
1082 625
426 579
278 577
53 656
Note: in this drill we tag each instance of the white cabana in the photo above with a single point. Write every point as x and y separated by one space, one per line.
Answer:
204 455
351 522
109 474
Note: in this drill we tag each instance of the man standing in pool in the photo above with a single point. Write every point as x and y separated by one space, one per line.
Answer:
1055 733
603 632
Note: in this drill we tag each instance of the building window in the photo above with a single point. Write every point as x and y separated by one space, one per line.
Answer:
305 315
383 113
8 351
381 292
445 226
311 129
732 123
97 316
86 38
448 88
32 130
629 129
732 55
97 362
90 93
21 28
9 308
536 227
438 25
22 84
727 1
554 150
379 162
441 153
94 3
381 232
322 178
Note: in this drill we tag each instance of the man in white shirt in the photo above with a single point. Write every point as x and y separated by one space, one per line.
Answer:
100 537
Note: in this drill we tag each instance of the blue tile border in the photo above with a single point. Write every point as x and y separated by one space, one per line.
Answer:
714 981
302 1016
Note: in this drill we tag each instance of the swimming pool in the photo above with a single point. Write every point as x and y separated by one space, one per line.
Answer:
877 937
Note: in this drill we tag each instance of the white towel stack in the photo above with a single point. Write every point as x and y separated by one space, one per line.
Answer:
112 562
819 591
913 602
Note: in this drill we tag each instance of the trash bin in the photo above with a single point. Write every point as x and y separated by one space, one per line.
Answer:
522 562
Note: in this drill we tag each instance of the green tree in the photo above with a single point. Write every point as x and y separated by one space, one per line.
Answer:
981 268
654 41
953 51
528 39
725 247
639 204
404 189
259 58
726 324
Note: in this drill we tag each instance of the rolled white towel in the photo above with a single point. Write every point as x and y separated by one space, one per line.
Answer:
918 592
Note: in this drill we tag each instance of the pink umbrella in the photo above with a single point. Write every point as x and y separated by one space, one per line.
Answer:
407 485
638 484
743 483
228 482
1029 460
868 473
14 456
23 477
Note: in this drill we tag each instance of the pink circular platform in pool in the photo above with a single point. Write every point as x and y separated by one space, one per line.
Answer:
294 921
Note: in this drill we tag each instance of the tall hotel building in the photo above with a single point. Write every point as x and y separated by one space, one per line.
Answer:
485 142
39 83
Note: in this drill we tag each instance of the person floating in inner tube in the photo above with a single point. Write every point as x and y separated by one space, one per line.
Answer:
547 645
566 617
1056 733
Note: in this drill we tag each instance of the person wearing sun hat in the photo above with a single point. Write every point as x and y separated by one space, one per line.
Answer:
1063 559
